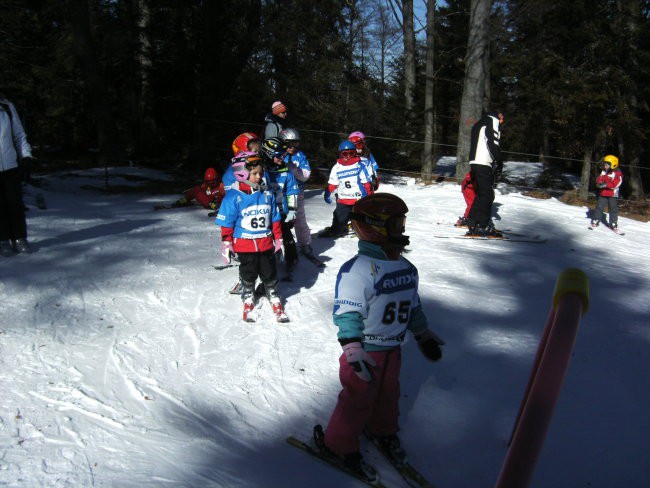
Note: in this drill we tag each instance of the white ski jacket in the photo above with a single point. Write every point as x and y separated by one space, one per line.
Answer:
13 140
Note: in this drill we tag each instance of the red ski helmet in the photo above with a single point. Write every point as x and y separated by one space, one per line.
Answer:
380 218
210 175
241 142
358 138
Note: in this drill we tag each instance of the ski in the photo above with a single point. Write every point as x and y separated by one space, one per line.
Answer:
406 470
333 461
510 238
615 231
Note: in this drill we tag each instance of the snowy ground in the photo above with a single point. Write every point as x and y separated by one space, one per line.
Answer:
124 362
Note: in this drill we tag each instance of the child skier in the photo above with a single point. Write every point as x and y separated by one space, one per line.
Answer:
350 179
358 138
283 184
298 164
469 193
376 301
608 183
250 227
209 194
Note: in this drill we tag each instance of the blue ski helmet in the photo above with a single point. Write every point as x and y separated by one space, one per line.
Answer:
346 145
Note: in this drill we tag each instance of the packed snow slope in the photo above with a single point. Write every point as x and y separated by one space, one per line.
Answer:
124 361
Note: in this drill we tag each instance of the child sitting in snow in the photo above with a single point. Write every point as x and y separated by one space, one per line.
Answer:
250 226
376 301
208 194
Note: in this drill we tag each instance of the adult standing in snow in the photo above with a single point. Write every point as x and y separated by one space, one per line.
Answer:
13 148
608 183
275 120
486 164
376 301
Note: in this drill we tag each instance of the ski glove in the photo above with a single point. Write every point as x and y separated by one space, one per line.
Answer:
290 217
359 360
279 247
601 185
429 345
328 197
227 251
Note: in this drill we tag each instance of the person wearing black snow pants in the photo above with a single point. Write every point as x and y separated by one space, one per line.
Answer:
481 212
15 153
485 163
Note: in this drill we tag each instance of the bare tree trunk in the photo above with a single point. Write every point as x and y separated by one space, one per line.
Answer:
93 77
476 66
409 55
145 125
630 18
585 174
428 160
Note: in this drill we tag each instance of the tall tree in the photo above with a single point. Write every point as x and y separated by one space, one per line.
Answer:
95 83
403 11
476 68
428 157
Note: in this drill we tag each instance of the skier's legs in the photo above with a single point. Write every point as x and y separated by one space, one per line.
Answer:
249 267
481 210
13 224
353 408
600 207
613 210
268 270
341 217
469 195
303 232
385 412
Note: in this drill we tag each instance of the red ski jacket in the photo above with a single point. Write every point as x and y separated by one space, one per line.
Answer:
612 180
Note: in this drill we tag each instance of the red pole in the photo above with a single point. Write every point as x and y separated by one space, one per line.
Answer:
570 301
533 373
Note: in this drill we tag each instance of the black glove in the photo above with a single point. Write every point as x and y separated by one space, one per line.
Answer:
429 344
26 168
601 185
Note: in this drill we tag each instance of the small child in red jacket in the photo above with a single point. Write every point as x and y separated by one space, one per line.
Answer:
209 194
469 193
608 183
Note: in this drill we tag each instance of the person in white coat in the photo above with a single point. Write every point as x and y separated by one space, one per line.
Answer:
14 150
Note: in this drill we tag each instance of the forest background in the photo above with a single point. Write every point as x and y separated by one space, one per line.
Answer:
171 84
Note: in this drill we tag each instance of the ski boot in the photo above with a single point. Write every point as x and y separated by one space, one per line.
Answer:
352 461
461 222
493 232
248 297
390 446
594 224
22 246
278 310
